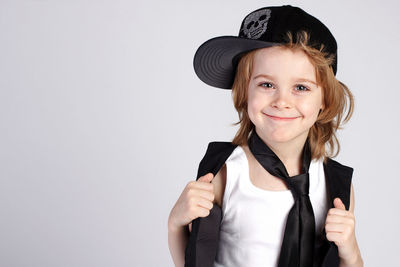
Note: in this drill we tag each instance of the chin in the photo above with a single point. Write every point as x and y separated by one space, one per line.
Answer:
281 139
283 136
277 137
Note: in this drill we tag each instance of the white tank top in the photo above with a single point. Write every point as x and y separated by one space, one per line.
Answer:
254 219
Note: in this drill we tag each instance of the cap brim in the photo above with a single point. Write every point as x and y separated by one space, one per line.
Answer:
215 60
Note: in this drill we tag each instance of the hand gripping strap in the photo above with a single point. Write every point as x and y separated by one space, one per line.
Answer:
338 178
203 241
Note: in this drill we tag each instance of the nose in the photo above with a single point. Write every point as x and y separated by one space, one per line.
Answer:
282 99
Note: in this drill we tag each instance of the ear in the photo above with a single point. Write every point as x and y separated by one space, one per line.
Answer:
322 107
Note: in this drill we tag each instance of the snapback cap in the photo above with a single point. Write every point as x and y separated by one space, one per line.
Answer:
216 60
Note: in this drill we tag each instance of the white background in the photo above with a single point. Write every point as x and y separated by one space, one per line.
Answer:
103 122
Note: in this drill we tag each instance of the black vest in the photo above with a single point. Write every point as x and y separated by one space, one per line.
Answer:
202 245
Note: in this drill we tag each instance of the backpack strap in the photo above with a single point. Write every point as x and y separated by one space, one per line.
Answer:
338 177
202 245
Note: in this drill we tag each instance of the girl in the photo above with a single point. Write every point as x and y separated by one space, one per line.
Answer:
272 196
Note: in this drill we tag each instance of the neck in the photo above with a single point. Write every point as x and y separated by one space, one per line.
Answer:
290 153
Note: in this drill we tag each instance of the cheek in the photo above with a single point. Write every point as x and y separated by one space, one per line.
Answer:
311 109
254 105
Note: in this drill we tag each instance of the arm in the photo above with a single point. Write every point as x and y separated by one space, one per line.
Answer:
339 228
195 201
177 240
356 261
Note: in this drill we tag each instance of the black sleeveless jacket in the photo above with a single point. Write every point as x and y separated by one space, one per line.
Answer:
202 245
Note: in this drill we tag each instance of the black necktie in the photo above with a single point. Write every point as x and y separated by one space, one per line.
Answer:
298 241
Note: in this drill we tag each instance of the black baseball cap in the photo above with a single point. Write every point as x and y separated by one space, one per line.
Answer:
215 61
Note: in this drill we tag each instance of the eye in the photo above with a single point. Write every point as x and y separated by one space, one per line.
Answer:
267 85
301 88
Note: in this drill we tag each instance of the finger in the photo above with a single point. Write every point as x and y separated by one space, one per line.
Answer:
205 203
206 178
337 203
201 193
334 237
333 218
340 212
201 185
203 212
336 227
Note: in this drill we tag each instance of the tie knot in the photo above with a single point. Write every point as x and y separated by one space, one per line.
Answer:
300 184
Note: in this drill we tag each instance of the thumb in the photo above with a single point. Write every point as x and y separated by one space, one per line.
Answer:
337 202
206 178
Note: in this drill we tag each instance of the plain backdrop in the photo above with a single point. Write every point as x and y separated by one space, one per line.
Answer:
103 123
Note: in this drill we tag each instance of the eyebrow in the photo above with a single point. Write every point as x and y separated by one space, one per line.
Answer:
272 78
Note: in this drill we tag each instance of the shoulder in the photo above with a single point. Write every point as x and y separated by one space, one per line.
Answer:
219 182
351 208
220 179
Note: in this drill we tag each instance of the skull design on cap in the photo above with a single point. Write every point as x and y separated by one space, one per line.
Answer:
256 23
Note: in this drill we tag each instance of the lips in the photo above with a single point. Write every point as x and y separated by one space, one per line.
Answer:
279 118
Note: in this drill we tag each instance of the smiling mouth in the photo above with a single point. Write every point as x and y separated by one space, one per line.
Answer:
281 118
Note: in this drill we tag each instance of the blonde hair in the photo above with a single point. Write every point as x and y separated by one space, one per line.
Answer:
337 98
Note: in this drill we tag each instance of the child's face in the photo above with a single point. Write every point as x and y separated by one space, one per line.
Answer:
283 97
